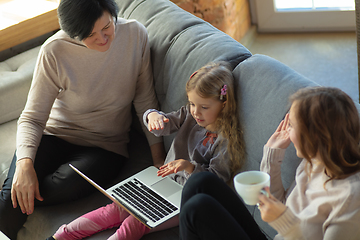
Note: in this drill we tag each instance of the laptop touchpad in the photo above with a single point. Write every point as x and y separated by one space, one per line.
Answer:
166 187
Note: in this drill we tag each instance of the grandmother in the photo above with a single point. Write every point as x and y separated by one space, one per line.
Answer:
87 78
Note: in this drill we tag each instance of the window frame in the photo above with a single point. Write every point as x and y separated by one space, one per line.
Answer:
271 20
28 29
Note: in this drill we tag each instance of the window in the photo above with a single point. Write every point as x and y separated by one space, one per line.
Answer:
305 15
314 5
23 20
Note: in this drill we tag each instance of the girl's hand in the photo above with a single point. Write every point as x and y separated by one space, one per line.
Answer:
270 208
280 138
25 186
156 121
176 166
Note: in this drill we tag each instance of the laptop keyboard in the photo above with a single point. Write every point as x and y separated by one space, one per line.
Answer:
145 200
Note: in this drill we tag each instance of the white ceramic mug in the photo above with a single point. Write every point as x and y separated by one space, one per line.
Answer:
249 185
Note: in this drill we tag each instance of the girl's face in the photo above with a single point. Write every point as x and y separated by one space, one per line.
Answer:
204 110
102 34
293 130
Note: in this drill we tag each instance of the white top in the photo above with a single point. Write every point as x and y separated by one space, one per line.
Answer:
314 212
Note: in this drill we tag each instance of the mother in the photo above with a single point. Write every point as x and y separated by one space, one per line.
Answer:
87 77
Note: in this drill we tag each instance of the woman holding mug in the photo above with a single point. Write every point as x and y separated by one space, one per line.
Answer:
324 126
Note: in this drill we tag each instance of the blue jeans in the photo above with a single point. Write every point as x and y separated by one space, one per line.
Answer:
58 183
212 210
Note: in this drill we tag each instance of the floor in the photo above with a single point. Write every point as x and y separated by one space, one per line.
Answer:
330 59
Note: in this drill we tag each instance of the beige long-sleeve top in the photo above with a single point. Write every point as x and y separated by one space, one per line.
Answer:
84 96
314 212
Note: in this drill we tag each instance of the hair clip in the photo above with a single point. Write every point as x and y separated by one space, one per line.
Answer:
193 74
223 92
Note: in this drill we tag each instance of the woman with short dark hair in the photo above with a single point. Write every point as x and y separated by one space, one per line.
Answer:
86 80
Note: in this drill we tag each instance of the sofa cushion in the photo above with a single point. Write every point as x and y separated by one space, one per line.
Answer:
180 44
264 86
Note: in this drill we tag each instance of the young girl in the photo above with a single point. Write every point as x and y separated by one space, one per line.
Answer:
324 126
208 139
208 132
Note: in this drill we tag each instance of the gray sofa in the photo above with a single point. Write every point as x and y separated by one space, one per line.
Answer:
180 44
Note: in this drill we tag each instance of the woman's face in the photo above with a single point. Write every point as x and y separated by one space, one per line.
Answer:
204 110
102 34
293 130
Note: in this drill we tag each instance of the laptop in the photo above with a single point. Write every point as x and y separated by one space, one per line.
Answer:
149 198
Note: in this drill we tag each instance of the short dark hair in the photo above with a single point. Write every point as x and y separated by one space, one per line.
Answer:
77 17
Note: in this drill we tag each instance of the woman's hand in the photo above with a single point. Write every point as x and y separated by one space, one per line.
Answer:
156 121
25 186
280 138
176 166
270 208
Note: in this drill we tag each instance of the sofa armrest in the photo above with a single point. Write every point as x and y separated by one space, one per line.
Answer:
16 74
263 89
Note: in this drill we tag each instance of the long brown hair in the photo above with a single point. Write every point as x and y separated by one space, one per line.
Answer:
208 82
328 127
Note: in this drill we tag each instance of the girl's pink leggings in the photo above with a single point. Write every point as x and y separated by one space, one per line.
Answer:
100 219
